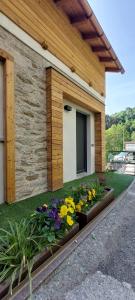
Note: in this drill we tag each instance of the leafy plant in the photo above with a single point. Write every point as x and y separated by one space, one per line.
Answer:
78 192
22 241
55 220
18 246
86 195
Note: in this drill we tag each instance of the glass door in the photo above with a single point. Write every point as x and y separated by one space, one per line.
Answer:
81 142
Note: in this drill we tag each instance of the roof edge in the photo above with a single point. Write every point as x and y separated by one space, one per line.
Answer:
90 14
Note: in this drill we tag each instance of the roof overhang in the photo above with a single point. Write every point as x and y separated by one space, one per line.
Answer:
84 20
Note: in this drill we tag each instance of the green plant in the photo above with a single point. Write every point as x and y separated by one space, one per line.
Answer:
18 246
54 220
99 188
77 192
86 195
22 241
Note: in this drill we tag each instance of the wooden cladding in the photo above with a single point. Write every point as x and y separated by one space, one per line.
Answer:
9 125
54 132
100 141
50 27
58 89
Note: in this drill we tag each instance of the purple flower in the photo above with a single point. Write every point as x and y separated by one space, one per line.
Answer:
55 202
39 209
57 224
42 208
53 213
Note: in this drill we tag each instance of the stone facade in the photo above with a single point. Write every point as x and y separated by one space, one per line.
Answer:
30 117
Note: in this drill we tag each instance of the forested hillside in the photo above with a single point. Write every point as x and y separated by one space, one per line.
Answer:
120 127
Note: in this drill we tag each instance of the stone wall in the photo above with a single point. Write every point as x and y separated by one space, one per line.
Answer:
30 117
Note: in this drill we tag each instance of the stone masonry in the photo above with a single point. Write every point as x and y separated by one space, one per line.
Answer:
30 117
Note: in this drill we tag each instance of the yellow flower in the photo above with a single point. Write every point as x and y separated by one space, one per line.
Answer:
89 195
70 202
93 192
73 205
71 210
78 207
81 202
63 211
69 199
70 221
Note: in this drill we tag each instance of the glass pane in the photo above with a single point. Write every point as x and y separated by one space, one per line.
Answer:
81 143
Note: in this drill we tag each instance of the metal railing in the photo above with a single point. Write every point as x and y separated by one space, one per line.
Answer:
121 161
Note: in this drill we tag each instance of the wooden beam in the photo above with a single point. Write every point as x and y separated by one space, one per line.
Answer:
54 131
112 69
78 19
106 59
99 48
10 131
100 141
90 35
57 1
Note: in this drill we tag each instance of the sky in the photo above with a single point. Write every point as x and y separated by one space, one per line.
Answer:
117 18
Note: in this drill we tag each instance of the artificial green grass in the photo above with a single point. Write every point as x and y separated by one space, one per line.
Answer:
19 210
119 182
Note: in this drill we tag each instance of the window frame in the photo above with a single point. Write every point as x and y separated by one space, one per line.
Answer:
9 124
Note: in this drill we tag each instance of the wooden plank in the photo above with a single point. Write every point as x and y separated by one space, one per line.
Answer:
99 141
10 131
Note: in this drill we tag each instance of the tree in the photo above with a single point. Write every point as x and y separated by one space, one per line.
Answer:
115 137
124 117
133 136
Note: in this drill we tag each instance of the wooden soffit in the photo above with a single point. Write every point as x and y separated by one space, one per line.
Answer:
83 19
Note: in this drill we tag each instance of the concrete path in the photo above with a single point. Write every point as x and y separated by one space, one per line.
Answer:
103 266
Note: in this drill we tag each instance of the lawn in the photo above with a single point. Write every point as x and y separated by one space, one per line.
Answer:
25 208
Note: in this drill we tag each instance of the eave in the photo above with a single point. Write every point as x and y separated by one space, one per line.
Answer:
83 19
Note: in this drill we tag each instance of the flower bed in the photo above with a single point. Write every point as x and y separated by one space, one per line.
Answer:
90 200
26 245
87 216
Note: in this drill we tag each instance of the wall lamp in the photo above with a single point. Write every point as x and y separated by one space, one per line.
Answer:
67 107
